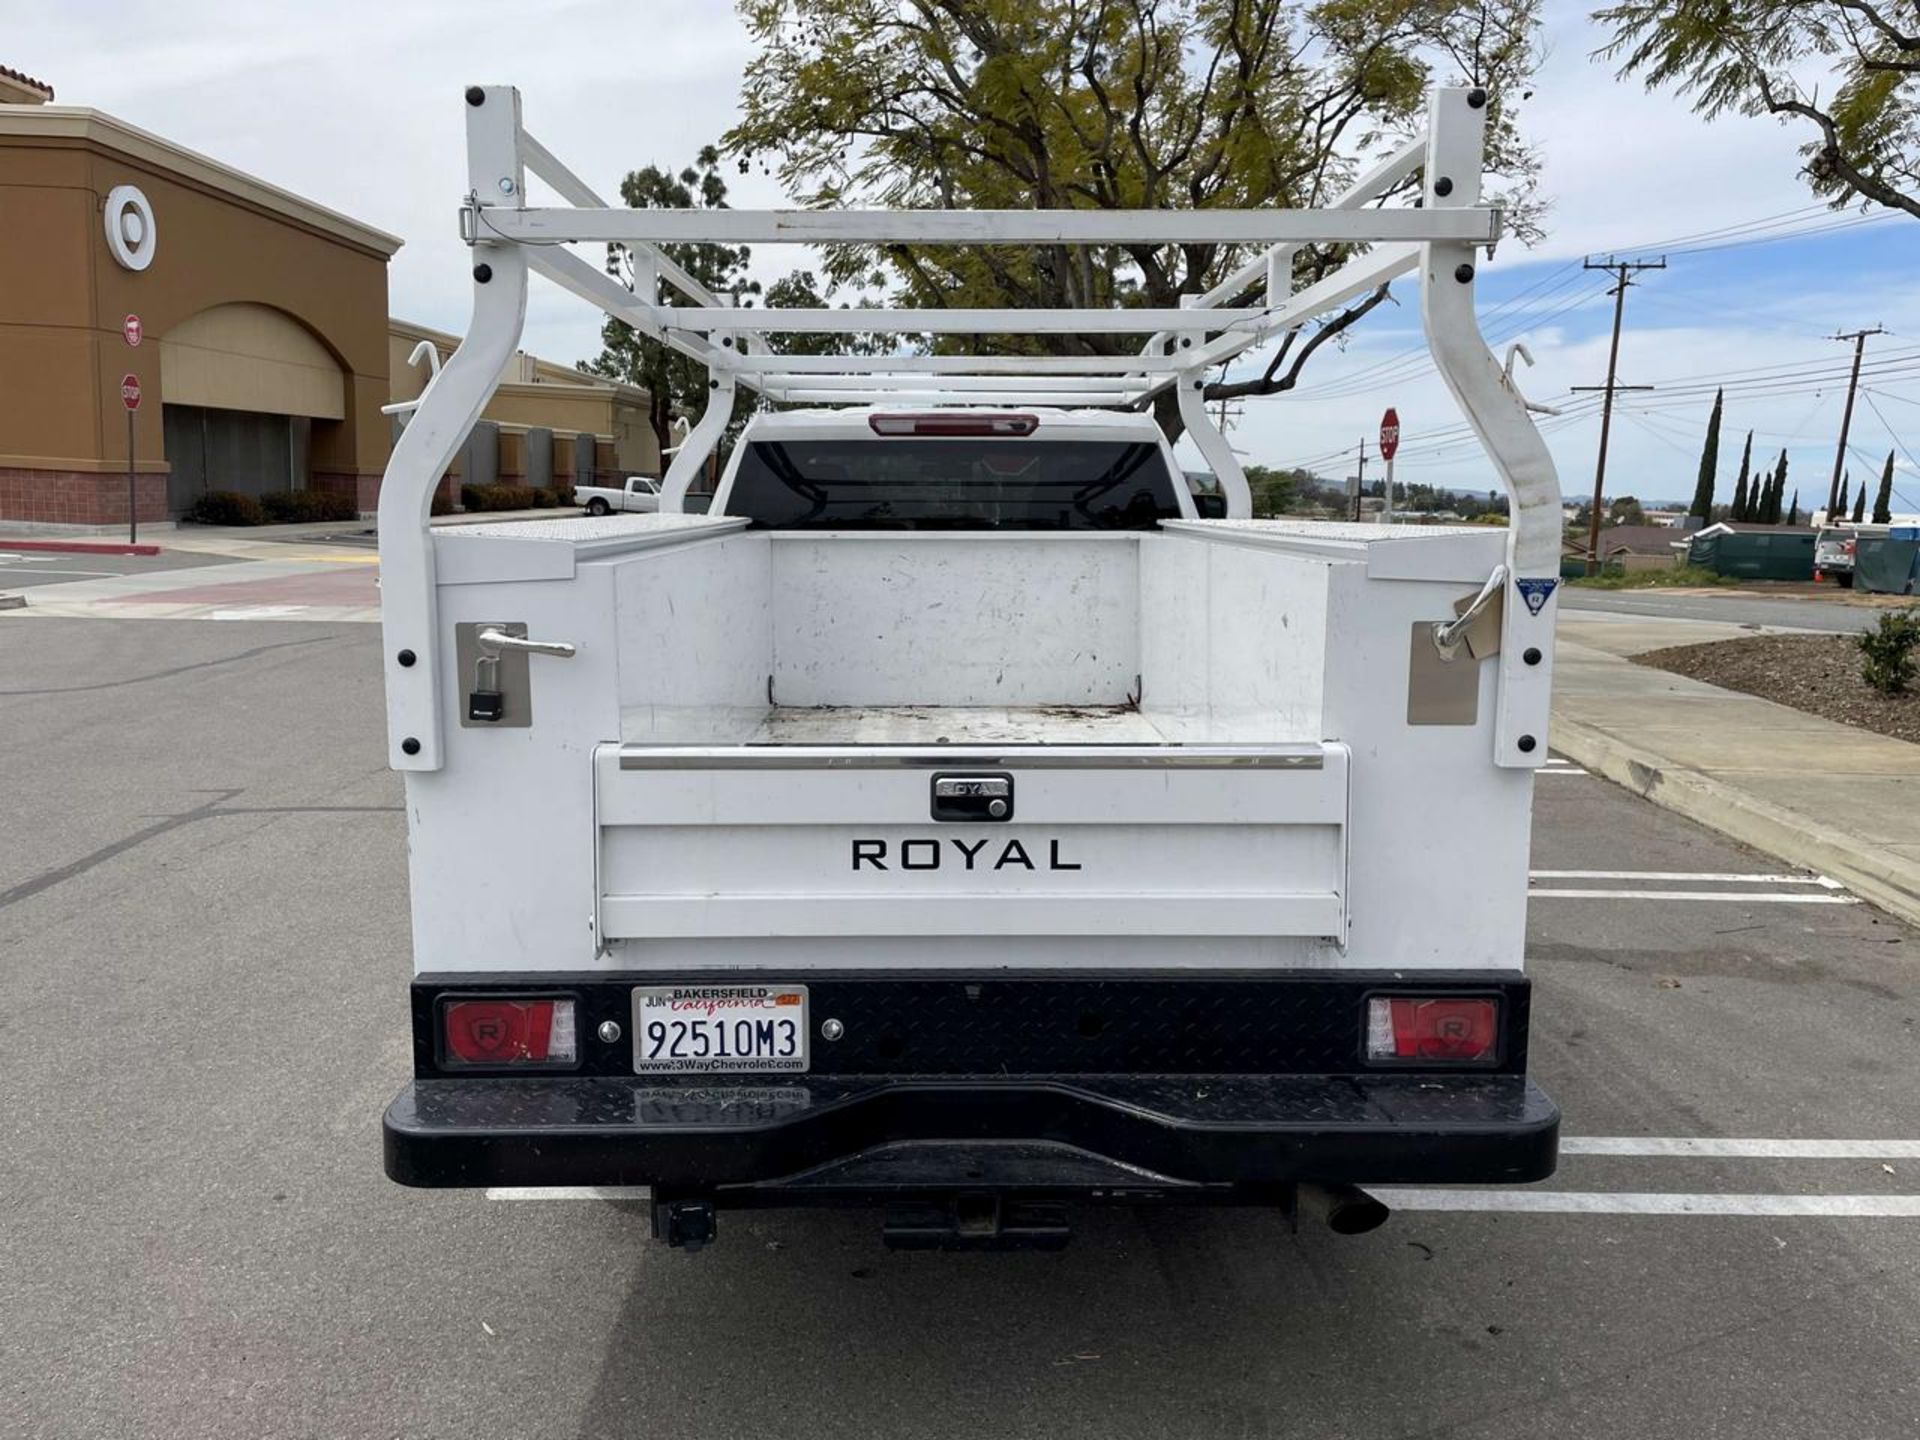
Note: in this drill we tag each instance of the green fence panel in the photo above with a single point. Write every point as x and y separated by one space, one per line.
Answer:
1756 555
1886 567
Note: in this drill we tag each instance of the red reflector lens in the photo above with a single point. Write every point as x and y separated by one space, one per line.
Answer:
1407 1027
509 1032
956 422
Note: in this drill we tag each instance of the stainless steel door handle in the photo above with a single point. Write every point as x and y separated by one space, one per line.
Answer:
498 640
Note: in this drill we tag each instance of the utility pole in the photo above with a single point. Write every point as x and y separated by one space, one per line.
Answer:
1360 480
1620 269
1859 338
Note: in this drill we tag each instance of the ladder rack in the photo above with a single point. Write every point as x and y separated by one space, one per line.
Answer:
1438 237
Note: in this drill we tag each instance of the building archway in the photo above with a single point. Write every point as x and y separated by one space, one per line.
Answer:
242 388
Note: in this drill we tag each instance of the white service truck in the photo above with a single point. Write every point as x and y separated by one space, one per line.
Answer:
950 819
640 496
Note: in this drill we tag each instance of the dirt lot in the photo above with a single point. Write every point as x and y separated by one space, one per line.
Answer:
1816 673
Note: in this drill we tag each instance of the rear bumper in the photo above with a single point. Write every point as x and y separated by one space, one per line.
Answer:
1063 1132
1170 1081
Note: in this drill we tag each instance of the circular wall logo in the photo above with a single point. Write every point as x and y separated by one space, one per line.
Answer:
130 228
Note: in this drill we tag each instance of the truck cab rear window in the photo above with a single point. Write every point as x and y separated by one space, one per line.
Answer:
947 484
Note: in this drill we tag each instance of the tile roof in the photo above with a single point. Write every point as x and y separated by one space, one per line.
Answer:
41 85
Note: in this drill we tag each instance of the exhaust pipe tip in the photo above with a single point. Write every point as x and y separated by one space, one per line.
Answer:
1344 1209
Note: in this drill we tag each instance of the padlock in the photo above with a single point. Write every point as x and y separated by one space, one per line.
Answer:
486 701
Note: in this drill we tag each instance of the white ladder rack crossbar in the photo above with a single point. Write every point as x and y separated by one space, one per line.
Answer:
1440 237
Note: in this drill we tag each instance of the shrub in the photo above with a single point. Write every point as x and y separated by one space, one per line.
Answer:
226 507
442 503
496 497
1887 662
545 498
286 507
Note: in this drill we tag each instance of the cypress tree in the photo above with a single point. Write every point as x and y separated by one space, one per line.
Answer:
1860 504
1779 491
1793 515
1840 510
1883 500
1709 465
1738 510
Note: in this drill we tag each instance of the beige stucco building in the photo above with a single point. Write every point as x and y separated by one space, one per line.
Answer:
264 354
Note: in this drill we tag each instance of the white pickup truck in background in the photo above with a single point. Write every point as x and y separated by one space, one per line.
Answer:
953 819
640 495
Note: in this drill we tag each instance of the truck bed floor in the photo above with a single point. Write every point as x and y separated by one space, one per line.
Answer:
932 724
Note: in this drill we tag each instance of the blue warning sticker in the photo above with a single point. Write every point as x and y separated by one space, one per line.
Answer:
1535 593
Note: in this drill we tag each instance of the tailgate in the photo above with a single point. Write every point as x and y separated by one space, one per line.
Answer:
761 841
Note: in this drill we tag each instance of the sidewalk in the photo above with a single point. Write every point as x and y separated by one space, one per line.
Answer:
1832 798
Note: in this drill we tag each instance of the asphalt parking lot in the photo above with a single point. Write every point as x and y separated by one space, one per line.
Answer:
203 963
32 569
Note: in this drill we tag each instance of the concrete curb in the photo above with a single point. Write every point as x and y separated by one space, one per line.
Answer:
1881 879
81 547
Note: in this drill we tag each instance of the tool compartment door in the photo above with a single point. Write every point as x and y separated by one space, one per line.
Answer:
1099 840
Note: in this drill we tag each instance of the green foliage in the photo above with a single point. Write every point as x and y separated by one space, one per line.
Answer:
1887 651
1738 510
1682 576
677 384
226 507
1749 57
286 507
1159 104
1860 504
497 497
1275 492
1883 497
1626 510
1709 464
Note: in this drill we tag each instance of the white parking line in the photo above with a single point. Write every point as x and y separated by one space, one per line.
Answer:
1570 1202
1698 876
568 1192
1733 1149
1752 899
1592 1202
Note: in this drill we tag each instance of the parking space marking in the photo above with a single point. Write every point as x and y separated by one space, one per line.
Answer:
1749 897
1696 876
1718 1148
1557 1202
1596 1202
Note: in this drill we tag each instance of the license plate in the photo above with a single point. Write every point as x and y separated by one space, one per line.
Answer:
716 1029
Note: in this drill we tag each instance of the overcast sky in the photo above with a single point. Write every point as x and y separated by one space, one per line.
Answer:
357 105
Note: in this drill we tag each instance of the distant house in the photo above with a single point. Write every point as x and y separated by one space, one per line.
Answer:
1631 547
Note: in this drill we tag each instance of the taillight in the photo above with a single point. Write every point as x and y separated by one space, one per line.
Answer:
509 1032
954 422
1460 1030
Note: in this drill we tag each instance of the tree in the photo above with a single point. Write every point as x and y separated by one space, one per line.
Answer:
1739 508
1121 104
1709 464
676 384
1626 511
1748 57
1883 497
1793 515
1860 504
1772 517
1274 491
1840 510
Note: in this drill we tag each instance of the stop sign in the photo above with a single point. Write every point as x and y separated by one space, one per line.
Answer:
132 329
130 391
1389 433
